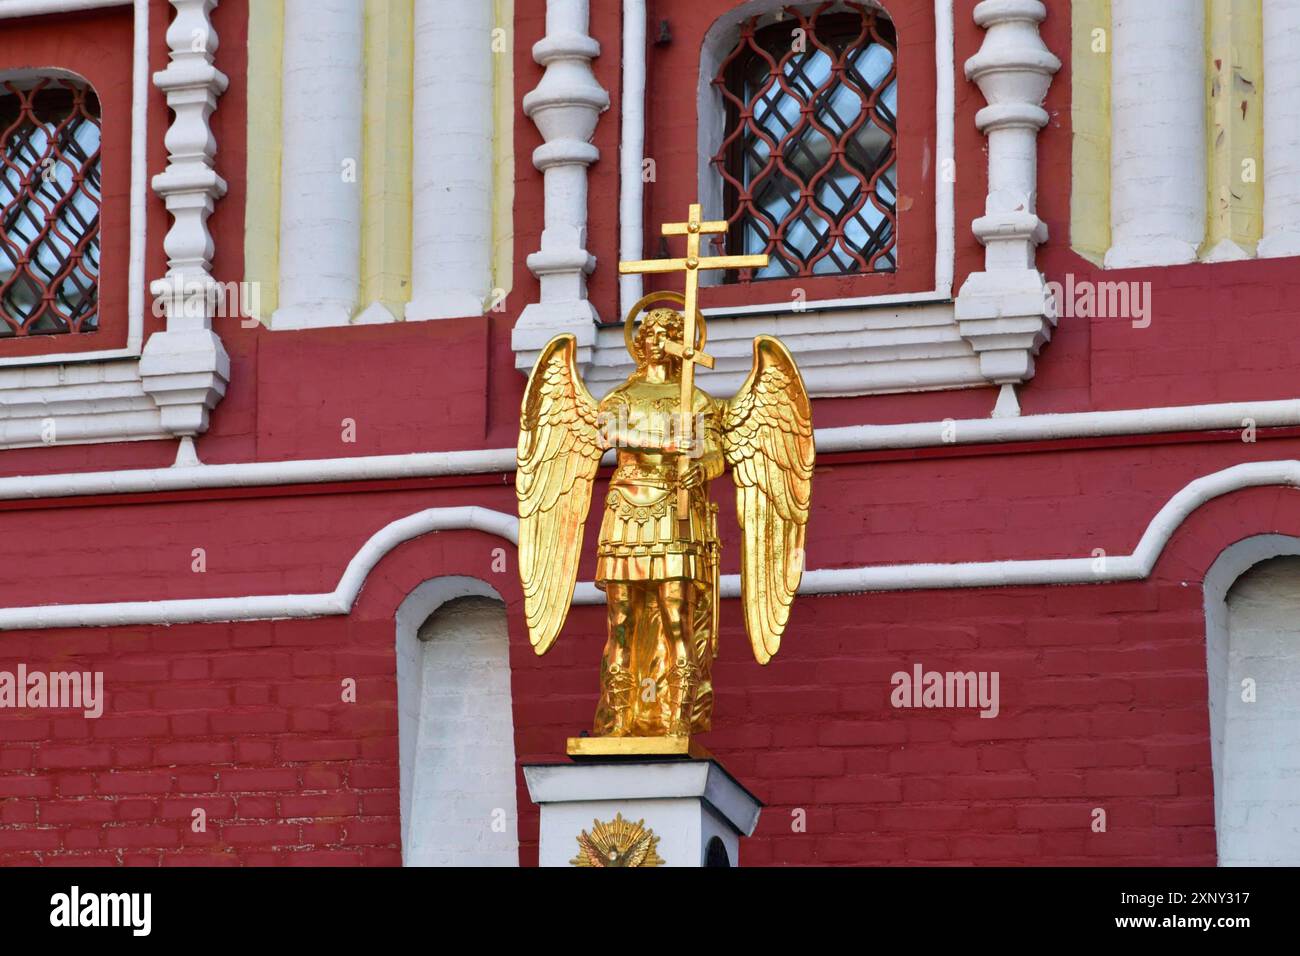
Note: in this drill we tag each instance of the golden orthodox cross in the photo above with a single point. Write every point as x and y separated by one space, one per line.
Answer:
692 229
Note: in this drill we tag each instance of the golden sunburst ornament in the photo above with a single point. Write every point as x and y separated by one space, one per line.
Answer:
617 843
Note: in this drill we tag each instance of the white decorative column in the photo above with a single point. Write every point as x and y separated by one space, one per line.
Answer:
694 810
631 188
184 368
451 225
1157 165
565 106
1006 312
1281 129
320 170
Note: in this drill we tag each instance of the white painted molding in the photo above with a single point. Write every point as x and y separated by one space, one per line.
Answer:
977 431
899 577
33 8
185 368
273 606
1157 163
451 223
82 403
1281 129
260 474
320 169
908 347
1006 312
631 154
565 107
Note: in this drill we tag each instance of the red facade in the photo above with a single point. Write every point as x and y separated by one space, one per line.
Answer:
1104 686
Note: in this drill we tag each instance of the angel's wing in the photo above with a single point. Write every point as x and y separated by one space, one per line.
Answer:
559 452
768 440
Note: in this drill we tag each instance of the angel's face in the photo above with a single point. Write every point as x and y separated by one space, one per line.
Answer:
655 336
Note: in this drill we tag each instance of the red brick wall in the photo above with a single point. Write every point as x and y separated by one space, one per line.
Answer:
1104 689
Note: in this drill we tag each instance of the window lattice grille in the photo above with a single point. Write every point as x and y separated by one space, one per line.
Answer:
809 160
49 208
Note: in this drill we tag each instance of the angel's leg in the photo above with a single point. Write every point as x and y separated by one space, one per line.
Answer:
702 641
614 713
676 613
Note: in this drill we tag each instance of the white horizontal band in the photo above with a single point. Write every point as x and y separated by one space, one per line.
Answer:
1098 569
973 431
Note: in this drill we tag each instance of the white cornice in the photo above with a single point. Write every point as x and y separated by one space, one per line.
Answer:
850 438
1095 569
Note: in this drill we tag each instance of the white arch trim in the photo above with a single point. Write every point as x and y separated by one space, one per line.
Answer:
1098 569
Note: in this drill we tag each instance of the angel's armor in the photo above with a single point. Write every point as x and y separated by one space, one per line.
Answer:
658 572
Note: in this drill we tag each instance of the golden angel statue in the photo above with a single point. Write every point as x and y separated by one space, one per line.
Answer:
660 574
658 551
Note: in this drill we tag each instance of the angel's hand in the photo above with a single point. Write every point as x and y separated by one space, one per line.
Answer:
693 476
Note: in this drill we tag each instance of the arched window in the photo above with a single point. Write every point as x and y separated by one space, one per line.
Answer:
809 156
50 195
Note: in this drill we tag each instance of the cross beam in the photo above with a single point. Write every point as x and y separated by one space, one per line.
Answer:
691 264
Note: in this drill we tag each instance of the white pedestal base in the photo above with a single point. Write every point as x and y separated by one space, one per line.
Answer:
695 808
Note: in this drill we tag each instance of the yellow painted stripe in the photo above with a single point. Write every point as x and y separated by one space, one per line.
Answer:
1090 119
386 155
1234 43
262 213
503 152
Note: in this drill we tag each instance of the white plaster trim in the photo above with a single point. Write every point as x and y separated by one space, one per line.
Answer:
976 431
1281 129
631 195
33 8
270 606
911 346
139 179
898 577
320 212
1157 164
82 403
451 223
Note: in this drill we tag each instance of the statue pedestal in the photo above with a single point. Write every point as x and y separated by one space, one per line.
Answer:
695 811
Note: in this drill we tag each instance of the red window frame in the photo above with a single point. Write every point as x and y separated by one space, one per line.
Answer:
673 84
753 124
97 47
